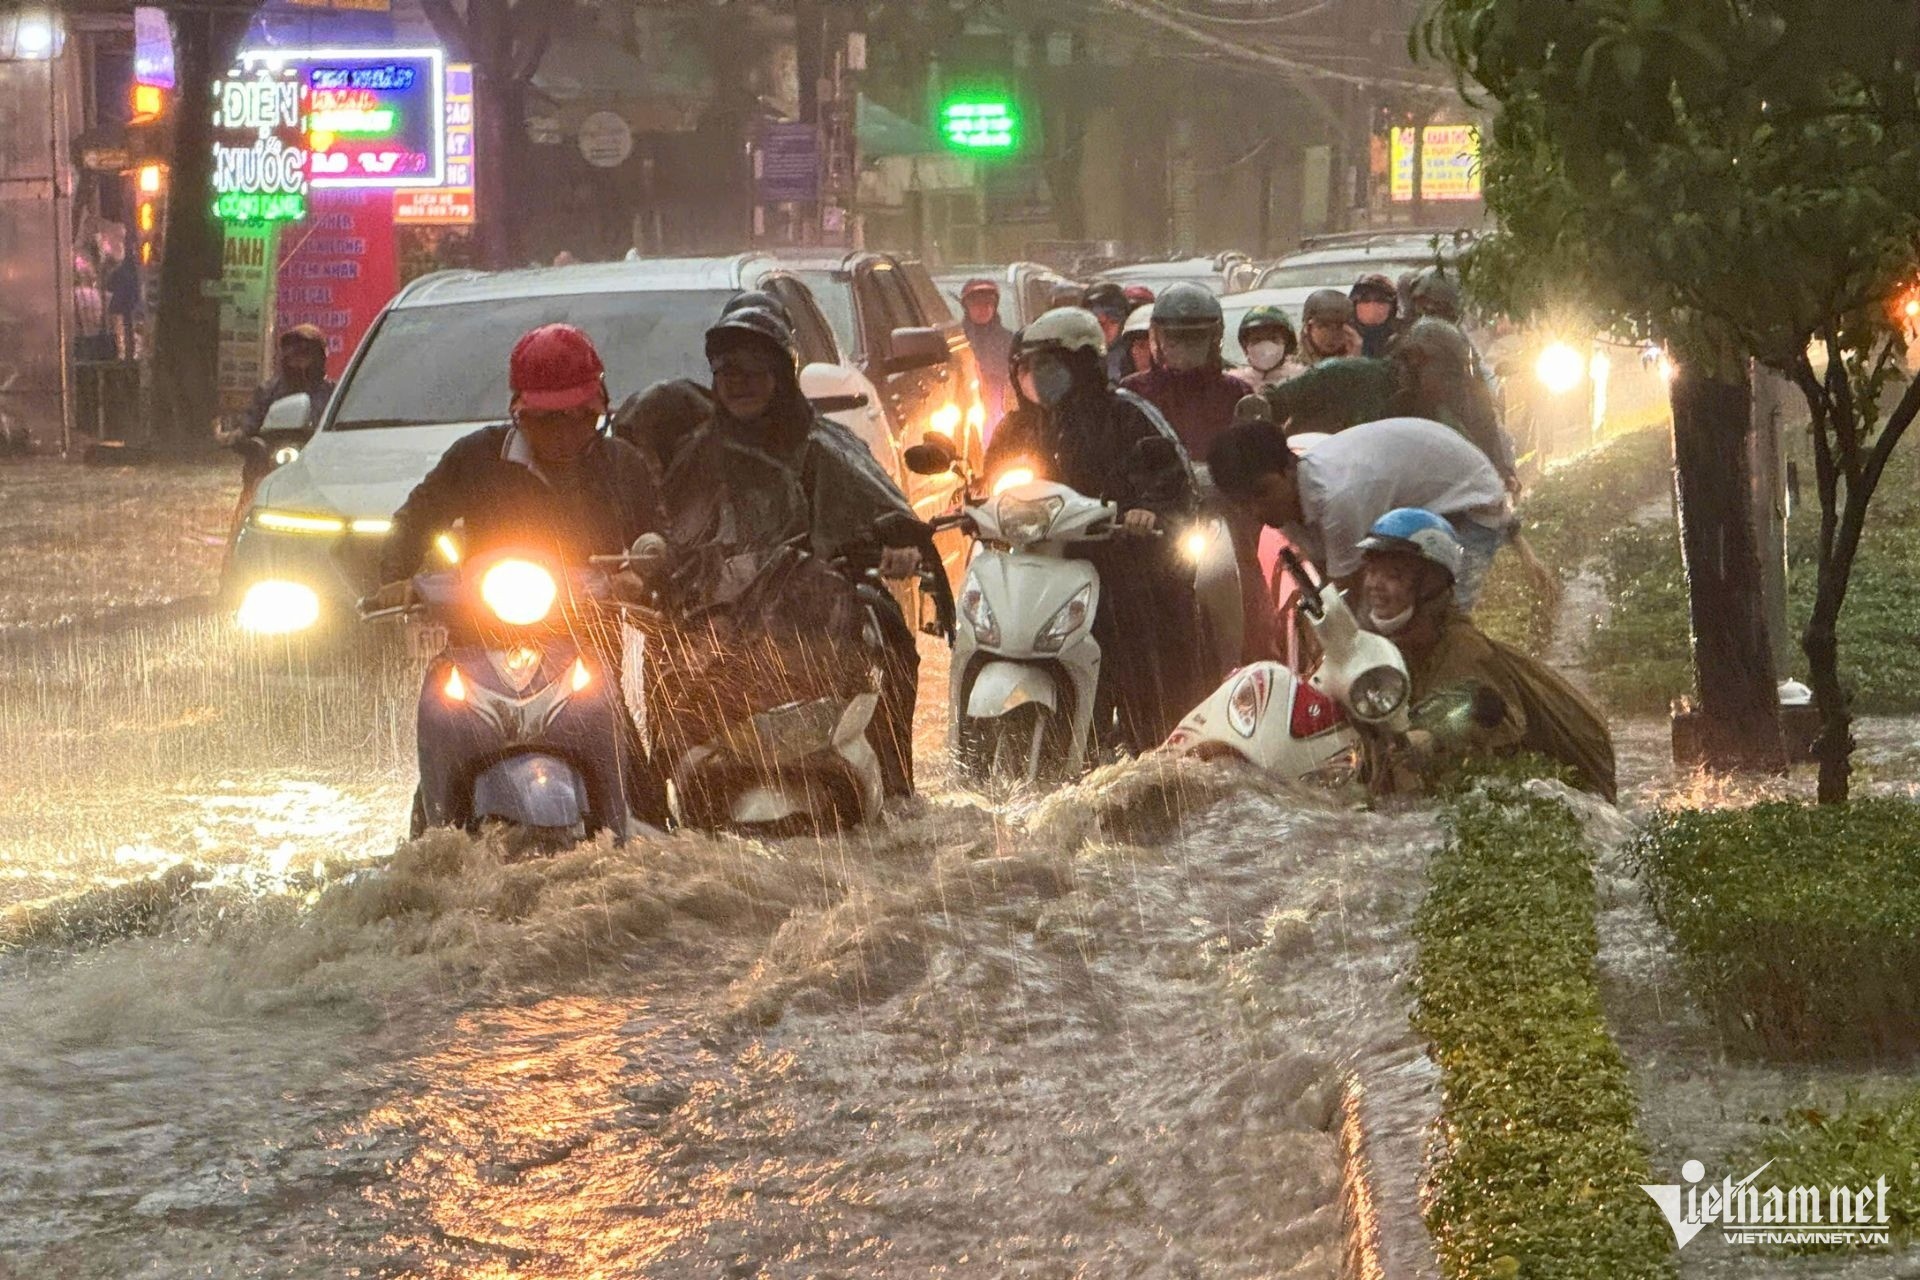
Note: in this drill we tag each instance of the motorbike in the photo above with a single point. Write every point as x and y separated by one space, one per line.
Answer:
520 716
764 679
1311 727
1026 666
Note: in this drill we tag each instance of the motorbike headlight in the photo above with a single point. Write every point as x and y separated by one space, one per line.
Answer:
1194 545
979 614
1012 478
519 592
1560 368
275 608
1246 701
1024 520
1066 620
1378 693
285 453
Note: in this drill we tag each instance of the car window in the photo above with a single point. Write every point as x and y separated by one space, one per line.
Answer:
833 290
896 300
427 365
931 304
810 331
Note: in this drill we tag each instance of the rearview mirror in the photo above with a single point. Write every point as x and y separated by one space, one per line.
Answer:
833 388
916 349
933 456
1253 409
289 413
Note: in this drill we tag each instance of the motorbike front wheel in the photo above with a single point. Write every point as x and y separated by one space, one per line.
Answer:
1008 750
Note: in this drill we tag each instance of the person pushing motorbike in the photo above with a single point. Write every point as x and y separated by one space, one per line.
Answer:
302 371
1069 426
767 470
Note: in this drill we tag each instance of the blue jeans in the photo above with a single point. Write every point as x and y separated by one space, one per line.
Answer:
1481 543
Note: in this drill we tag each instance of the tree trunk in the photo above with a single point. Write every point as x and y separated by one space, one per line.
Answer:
1733 665
500 129
185 356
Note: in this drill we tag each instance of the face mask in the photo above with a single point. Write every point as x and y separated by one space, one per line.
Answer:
1391 626
1051 382
1266 356
1185 354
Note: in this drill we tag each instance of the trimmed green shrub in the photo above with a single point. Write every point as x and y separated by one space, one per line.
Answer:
1863 1141
1799 924
1538 1170
1641 654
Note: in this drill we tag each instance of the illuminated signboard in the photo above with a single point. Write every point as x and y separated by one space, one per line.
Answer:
377 116
974 126
152 47
259 147
1449 163
451 205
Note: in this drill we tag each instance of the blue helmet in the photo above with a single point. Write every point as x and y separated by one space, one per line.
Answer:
1413 531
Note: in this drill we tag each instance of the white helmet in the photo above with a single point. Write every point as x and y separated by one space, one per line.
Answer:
1064 329
1139 322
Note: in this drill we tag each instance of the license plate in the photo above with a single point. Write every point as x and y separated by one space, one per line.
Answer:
426 640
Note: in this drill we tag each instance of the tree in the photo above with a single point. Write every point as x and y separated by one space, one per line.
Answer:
505 41
185 363
1739 180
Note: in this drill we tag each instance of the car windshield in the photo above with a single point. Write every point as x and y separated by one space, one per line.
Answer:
833 290
1337 275
430 365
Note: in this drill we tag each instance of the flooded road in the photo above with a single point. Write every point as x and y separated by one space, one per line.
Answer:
1102 1033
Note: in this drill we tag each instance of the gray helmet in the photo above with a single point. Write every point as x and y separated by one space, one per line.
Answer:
1435 293
751 326
1187 306
1107 298
1329 305
1438 342
760 300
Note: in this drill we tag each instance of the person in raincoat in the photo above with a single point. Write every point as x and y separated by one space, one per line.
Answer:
1376 303
1267 336
1326 328
767 469
1070 427
1471 694
992 343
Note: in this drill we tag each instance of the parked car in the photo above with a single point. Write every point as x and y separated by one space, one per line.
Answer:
1026 289
897 328
1336 261
434 367
1222 273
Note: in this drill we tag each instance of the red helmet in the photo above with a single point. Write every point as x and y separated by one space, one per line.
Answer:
1138 295
555 368
979 284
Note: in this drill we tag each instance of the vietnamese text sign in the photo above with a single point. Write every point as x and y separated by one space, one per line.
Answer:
788 164
259 147
453 204
247 264
980 126
376 116
1449 163
341 270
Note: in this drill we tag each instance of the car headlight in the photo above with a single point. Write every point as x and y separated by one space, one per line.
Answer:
1066 620
519 592
1560 368
1378 693
276 608
979 614
297 521
285 453
1024 520
1246 701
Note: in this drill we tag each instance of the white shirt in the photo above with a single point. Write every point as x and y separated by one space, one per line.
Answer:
1354 477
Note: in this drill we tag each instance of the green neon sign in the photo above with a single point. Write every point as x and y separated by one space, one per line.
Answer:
260 206
980 125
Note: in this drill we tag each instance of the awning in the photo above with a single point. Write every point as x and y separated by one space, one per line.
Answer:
883 133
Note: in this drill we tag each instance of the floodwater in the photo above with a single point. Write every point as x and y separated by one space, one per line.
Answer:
245 1032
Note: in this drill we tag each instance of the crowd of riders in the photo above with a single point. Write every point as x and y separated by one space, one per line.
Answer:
1367 437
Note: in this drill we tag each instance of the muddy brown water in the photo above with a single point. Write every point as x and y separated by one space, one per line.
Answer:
1099 1033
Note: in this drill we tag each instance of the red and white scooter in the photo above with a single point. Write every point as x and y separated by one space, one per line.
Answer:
1267 714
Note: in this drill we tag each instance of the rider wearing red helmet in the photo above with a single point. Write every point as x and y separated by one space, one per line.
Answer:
550 477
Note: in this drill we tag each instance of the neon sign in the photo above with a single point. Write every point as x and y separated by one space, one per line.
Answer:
260 147
376 115
980 126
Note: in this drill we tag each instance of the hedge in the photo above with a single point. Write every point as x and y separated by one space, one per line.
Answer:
1538 1169
1863 1140
1799 925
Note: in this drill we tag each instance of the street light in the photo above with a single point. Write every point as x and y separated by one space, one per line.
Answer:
30 35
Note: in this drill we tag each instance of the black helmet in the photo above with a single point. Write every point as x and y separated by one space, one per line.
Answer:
1329 305
1435 293
1187 306
751 326
1107 298
759 300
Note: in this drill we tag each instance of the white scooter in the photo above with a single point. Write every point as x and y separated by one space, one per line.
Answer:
1298 728
1025 664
